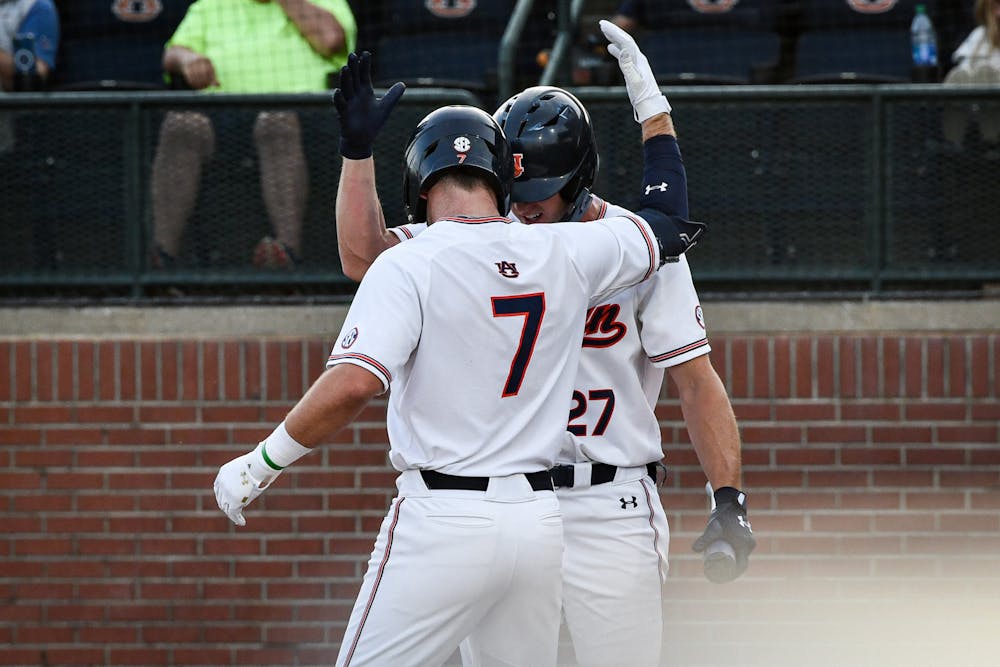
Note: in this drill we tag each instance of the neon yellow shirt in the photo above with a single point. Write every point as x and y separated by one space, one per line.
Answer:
256 48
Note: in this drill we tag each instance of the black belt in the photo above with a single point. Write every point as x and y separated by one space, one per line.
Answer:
600 473
540 481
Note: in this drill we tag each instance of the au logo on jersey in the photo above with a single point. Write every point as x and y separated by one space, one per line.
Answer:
507 269
136 11
518 164
713 6
349 338
450 9
871 6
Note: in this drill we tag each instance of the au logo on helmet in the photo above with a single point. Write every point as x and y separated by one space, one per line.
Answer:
518 164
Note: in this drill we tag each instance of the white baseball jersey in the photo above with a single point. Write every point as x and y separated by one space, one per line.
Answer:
629 339
468 326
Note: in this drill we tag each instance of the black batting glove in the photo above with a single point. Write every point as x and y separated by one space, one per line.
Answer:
728 523
361 113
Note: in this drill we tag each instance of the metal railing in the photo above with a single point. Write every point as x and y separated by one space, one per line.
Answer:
804 187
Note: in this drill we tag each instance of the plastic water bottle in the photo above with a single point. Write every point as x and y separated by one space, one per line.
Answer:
923 40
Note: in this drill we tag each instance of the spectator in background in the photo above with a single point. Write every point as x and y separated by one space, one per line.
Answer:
29 34
246 46
977 61
110 45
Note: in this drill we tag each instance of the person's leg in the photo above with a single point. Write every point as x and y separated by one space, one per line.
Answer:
522 626
616 537
187 140
284 182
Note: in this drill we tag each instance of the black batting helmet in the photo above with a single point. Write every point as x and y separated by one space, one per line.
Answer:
456 137
553 143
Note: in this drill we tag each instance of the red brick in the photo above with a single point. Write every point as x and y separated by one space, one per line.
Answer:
273 371
782 362
167 414
911 479
138 656
190 370
43 414
825 368
795 411
836 478
979 366
871 368
811 456
934 500
759 380
969 478
984 457
957 366
901 434
44 371
252 371
86 360
169 370
803 358
20 436
868 412
848 358
836 434
120 634
65 360
104 503
738 382
935 367
211 371
913 367
925 411
104 414
987 434
935 456
231 377
771 434
20 480
42 503
128 376
107 370
836 523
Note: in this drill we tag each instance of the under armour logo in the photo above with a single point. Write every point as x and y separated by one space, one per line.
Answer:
626 503
743 522
662 187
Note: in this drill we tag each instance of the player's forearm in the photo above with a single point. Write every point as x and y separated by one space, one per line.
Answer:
320 28
660 124
711 424
331 403
361 232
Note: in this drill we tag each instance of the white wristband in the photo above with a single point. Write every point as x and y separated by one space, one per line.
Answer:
646 109
281 450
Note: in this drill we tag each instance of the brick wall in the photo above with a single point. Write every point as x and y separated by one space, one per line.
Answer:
872 461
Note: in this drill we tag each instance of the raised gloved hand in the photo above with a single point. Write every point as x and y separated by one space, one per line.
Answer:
244 478
361 113
643 91
727 527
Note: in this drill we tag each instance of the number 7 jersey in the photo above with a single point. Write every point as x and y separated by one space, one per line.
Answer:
475 328
629 339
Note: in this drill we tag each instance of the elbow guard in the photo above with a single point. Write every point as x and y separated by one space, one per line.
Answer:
674 234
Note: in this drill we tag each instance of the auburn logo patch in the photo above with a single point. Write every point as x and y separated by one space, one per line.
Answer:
136 11
450 9
507 269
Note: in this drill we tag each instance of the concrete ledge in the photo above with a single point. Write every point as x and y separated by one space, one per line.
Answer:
723 317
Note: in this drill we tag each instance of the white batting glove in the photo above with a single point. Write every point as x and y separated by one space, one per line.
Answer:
244 478
643 92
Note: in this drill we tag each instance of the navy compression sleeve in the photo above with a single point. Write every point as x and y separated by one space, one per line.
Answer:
663 202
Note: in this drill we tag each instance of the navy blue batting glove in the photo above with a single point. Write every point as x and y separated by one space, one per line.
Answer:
361 113
728 538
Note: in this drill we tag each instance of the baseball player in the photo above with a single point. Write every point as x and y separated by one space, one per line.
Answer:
467 326
615 529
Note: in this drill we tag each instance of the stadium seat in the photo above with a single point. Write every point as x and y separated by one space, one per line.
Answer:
440 43
114 45
700 41
856 41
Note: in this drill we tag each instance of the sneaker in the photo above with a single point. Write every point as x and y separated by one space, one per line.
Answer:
271 253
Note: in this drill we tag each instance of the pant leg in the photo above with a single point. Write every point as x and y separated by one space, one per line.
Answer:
614 565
